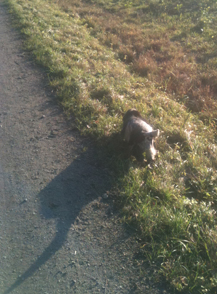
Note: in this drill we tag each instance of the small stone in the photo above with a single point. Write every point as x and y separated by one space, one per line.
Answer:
105 196
72 283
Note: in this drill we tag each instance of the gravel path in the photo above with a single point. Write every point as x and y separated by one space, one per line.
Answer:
57 233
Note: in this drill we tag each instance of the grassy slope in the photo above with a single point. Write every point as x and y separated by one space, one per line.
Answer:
173 202
172 44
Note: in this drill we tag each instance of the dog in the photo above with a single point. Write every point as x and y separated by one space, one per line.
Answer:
139 135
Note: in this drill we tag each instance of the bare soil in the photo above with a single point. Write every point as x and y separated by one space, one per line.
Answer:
57 232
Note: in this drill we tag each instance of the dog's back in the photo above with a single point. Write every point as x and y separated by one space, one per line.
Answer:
135 129
139 133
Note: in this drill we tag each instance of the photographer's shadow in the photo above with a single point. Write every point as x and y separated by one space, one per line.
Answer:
63 198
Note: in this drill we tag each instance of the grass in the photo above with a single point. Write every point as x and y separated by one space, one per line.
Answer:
103 58
172 44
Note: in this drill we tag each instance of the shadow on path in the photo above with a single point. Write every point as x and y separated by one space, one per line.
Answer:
63 199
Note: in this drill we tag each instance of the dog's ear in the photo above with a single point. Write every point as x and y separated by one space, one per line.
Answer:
154 134
143 135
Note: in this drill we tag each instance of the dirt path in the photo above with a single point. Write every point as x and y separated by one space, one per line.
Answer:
57 234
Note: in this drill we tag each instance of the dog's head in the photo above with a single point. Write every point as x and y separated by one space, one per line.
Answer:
147 144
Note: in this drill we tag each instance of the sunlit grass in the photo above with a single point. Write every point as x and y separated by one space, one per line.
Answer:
168 42
98 72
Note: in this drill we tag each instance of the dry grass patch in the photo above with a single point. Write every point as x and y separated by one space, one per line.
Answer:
165 41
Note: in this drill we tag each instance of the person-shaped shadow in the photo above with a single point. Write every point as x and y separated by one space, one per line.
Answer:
63 198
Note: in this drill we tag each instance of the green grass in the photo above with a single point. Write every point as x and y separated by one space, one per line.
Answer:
152 56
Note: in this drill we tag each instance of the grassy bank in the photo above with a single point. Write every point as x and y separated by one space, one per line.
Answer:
154 57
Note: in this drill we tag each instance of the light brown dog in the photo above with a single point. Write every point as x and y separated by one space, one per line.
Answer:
139 135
